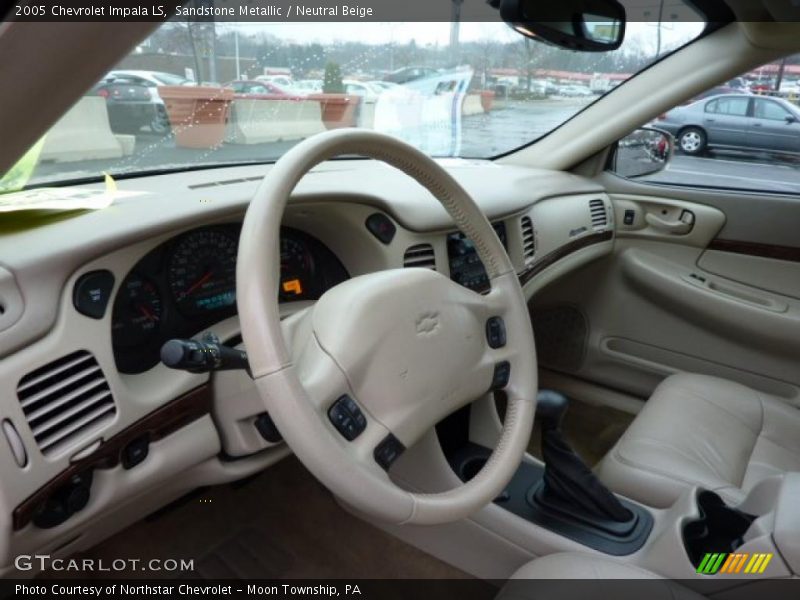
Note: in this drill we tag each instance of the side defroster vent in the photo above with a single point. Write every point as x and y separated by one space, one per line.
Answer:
528 239
65 399
420 255
597 208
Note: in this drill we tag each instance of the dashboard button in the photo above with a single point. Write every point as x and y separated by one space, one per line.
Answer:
381 227
92 292
629 217
496 332
136 451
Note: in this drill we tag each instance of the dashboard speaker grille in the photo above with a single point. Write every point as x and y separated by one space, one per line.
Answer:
528 239
597 209
65 399
421 255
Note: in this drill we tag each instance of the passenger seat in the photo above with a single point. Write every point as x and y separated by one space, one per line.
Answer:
703 431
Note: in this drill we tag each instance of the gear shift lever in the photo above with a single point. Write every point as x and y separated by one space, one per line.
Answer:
569 484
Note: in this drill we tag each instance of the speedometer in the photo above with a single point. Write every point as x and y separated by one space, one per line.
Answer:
298 280
202 272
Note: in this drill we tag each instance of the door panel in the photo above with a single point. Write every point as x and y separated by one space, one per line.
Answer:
726 121
662 219
739 262
662 303
769 128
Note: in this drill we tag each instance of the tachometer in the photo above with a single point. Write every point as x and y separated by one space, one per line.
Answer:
202 272
137 311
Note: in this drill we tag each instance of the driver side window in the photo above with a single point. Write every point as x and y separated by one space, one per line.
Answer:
767 109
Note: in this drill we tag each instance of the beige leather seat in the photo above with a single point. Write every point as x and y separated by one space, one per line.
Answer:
553 576
703 431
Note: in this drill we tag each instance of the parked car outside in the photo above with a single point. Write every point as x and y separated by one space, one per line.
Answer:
152 80
309 86
740 84
384 85
257 88
282 80
743 122
368 92
574 91
718 91
407 74
130 105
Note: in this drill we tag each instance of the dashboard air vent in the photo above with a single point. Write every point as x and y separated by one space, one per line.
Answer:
65 399
420 255
528 239
597 209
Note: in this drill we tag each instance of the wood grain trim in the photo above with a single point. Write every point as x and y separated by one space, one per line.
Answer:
550 259
160 423
790 253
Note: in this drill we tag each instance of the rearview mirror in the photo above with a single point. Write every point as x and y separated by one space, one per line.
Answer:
643 152
584 25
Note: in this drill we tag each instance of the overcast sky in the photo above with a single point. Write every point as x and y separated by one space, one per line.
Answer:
673 34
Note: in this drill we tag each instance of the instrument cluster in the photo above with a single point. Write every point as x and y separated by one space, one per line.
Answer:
189 283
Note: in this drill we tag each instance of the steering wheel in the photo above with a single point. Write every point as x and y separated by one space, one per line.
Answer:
407 346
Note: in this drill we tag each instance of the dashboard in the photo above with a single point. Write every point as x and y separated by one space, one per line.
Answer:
168 253
189 283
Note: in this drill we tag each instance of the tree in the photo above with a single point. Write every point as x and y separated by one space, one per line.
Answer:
332 82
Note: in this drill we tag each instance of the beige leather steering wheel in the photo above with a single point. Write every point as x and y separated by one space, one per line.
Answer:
408 345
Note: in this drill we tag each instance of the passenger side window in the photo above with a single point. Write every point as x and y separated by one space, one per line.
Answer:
732 106
740 135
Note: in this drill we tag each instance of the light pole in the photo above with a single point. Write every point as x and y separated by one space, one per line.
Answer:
455 25
236 53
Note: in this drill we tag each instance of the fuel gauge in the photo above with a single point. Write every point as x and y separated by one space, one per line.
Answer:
137 312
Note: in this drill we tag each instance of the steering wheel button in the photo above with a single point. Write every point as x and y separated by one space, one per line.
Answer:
347 418
350 405
361 421
502 373
387 451
496 332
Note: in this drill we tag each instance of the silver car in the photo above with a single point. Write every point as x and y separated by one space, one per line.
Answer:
735 122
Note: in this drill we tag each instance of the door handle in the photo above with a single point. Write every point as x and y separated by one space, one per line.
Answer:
682 226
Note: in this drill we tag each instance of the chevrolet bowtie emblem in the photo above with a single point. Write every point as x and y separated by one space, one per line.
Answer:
427 323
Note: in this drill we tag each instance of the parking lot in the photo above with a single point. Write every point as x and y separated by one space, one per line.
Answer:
507 125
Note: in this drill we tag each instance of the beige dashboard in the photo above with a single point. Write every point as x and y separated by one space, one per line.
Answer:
552 222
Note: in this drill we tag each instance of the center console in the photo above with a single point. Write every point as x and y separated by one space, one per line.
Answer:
718 542
716 532
563 496
466 267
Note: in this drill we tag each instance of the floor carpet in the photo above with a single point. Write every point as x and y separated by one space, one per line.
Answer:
279 524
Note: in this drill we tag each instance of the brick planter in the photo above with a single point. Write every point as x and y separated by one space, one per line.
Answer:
197 114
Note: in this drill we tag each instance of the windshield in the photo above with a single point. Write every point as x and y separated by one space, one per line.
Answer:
198 94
